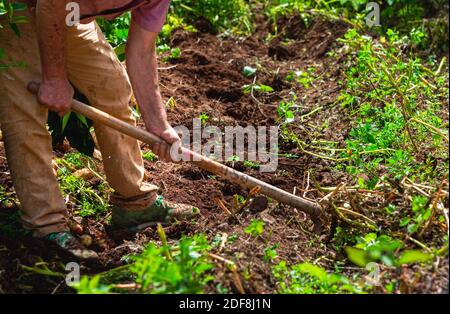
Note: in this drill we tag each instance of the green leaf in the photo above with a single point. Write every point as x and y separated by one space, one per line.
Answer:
404 221
413 256
290 117
19 6
313 270
266 88
247 88
357 256
82 119
248 71
120 50
64 121
412 228
15 28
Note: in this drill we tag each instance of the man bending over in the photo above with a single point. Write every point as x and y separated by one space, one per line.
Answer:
61 57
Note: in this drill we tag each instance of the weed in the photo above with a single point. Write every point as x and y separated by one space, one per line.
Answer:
232 238
12 12
251 164
175 53
305 78
250 88
255 228
248 71
383 248
285 112
203 118
233 16
92 285
185 273
270 253
149 155
307 278
420 211
180 268
389 113
88 201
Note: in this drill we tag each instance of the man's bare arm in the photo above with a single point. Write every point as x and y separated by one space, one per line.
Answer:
55 91
142 68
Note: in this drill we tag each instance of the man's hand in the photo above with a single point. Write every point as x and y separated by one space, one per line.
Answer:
56 95
142 67
163 149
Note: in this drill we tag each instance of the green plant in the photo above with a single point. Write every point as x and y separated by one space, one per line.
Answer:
175 53
203 118
87 200
250 88
149 155
233 158
10 10
248 71
285 112
169 270
385 93
116 32
74 127
255 228
270 253
421 212
307 278
233 16
251 164
383 248
173 22
92 285
232 238
183 267
305 78
378 248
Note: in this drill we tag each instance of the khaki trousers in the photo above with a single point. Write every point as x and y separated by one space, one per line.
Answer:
95 71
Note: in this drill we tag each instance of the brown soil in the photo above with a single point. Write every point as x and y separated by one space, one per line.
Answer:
208 79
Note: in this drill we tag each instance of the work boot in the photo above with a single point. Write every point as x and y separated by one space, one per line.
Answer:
160 211
66 241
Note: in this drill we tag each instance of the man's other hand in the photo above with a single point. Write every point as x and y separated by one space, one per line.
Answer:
56 95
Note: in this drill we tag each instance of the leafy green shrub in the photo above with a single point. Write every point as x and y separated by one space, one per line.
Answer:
383 248
307 278
395 102
116 32
185 271
233 16
91 286
10 9
181 268
421 212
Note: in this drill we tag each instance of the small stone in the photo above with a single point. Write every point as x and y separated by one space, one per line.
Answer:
86 240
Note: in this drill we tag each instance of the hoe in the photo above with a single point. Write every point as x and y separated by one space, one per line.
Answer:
244 180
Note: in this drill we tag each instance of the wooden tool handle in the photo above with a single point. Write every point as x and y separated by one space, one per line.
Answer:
244 180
